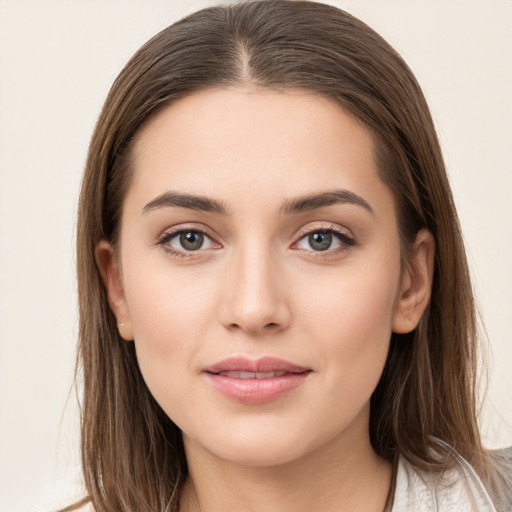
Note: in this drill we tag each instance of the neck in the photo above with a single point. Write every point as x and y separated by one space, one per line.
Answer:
340 476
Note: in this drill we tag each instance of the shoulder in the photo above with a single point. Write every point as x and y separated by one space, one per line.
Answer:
458 489
503 461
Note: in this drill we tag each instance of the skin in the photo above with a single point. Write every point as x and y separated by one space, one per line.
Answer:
258 287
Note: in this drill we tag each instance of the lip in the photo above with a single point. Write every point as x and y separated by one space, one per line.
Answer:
258 389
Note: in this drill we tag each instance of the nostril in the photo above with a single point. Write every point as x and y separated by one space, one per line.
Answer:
269 326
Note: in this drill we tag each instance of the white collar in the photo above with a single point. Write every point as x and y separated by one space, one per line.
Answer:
456 490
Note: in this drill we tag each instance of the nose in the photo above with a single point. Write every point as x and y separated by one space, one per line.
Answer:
254 295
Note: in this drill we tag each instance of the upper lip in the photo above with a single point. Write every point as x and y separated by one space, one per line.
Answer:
262 365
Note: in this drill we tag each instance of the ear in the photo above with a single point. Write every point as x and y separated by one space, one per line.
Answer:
416 284
113 281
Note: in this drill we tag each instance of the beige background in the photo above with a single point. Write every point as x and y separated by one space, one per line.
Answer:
57 61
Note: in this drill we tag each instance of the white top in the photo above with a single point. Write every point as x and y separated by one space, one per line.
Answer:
458 490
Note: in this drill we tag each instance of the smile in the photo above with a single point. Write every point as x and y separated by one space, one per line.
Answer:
252 375
255 381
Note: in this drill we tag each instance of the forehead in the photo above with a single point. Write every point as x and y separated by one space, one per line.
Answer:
240 143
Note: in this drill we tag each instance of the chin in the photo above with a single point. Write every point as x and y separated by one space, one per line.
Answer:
263 447
261 455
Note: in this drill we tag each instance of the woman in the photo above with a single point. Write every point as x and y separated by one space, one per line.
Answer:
275 304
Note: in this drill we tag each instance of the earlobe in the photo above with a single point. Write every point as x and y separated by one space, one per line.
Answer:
112 279
416 284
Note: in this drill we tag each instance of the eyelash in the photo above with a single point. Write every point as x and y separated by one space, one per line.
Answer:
166 237
345 239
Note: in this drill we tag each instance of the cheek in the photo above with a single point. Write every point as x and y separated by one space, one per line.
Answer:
166 301
351 301
169 312
350 317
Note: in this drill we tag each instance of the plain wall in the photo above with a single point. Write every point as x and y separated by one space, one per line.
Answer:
57 62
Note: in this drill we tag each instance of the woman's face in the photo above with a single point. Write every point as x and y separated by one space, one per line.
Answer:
259 272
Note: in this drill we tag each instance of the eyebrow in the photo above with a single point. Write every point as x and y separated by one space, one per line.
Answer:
297 205
192 202
316 201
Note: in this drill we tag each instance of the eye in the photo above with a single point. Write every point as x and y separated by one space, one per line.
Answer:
324 240
186 241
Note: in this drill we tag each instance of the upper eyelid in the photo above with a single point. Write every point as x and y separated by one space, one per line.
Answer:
175 230
325 227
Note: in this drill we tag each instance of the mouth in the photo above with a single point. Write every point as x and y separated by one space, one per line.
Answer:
251 375
255 381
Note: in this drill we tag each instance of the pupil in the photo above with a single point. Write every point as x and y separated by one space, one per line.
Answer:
320 241
191 240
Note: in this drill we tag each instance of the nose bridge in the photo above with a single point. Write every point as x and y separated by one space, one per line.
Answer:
254 299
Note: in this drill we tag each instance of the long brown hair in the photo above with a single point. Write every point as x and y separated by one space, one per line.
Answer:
132 453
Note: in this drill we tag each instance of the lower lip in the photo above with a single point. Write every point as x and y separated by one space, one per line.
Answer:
256 391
